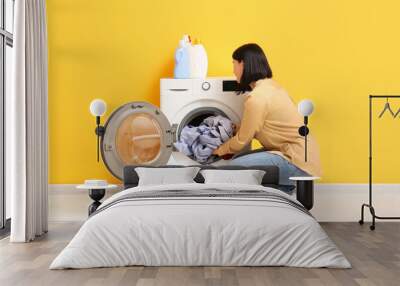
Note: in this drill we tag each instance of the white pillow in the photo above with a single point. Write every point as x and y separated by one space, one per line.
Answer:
163 176
248 177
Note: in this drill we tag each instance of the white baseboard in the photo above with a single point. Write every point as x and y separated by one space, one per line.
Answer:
67 203
332 202
342 202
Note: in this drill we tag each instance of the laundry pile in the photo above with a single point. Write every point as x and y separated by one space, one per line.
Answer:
199 142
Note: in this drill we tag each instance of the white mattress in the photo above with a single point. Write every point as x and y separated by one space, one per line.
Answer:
185 231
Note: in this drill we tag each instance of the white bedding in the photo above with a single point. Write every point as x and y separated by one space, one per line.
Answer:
224 231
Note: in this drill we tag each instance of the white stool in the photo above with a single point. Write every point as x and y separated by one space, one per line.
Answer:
97 190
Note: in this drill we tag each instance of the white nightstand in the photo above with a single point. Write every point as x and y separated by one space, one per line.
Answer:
97 190
305 190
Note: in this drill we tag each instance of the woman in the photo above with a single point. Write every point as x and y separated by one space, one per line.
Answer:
271 117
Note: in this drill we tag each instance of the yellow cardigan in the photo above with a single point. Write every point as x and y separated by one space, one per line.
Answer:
271 117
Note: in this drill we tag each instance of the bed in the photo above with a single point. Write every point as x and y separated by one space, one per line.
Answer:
201 224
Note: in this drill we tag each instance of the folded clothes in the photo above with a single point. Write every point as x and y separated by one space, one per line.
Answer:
199 142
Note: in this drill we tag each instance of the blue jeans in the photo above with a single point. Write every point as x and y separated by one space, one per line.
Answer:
286 169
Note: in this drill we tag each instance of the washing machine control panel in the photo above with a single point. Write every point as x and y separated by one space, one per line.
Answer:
205 86
196 88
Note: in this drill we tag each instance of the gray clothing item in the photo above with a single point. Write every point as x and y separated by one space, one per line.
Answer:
198 142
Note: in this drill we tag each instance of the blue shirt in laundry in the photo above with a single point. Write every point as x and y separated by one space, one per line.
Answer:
199 142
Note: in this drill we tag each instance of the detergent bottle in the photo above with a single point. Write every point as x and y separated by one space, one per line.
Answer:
182 58
198 60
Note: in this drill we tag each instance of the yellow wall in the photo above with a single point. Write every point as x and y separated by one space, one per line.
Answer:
333 52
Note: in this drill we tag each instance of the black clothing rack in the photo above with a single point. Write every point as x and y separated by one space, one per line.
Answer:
370 205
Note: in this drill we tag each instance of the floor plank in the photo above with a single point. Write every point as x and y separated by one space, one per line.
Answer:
375 257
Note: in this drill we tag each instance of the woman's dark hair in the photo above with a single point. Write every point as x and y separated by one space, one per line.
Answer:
255 65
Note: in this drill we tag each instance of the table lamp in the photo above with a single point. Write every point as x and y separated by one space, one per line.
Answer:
305 108
97 108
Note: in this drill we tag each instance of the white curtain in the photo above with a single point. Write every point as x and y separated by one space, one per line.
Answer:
26 121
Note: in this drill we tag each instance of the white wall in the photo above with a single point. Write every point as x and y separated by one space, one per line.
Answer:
333 202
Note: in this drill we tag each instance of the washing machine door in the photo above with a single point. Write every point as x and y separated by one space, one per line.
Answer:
137 133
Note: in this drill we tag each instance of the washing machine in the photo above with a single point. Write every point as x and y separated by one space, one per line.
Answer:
189 101
140 133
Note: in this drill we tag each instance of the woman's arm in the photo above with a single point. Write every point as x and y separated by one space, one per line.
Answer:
254 111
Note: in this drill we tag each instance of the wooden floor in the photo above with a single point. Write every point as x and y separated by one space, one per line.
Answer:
375 257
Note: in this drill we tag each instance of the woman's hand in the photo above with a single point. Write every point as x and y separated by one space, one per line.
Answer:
217 152
235 128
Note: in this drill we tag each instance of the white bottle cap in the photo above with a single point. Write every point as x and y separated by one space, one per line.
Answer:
186 38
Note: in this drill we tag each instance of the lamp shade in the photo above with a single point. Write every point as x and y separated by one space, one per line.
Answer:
305 107
98 107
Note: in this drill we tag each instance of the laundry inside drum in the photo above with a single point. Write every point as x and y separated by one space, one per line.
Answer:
199 118
138 139
201 132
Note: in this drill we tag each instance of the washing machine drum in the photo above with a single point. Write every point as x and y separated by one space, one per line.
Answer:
137 133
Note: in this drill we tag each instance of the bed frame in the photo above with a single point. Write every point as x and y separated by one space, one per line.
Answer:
270 179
